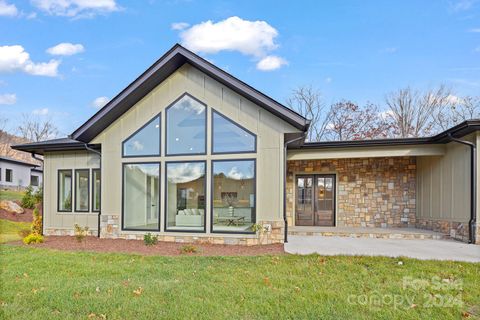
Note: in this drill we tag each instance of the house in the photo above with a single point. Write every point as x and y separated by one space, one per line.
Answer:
191 153
17 174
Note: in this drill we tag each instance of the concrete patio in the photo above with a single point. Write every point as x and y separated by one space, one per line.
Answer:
427 249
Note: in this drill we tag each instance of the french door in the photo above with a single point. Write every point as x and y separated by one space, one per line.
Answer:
315 200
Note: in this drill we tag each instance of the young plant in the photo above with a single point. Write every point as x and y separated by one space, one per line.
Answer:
188 248
33 238
37 222
28 199
81 233
150 239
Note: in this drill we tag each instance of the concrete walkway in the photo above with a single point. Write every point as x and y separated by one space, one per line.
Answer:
419 249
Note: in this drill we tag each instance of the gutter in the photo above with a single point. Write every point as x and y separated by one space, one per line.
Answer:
99 211
34 156
285 169
473 187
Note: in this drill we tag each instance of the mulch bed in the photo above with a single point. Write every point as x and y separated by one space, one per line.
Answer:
27 216
95 244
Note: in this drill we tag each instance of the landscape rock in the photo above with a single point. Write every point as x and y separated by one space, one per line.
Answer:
11 206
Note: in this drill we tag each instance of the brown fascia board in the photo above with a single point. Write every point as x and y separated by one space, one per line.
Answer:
63 144
158 72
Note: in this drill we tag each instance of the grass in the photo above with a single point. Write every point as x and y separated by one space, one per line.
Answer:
39 283
9 230
11 195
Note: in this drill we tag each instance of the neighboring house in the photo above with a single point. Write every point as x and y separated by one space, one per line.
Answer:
191 153
16 174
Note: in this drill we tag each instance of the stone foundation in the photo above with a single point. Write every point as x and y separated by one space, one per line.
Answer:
455 230
110 228
65 232
371 192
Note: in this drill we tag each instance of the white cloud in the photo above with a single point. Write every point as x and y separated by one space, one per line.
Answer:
76 8
8 10
451 99
328 80
40 112
462 5
66 49
188 104
477 49
475 30
390 50
270 63
179 25
237 174
100 102
8 98
185 172
15 58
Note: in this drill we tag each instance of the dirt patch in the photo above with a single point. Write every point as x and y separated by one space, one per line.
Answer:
162 248
27 216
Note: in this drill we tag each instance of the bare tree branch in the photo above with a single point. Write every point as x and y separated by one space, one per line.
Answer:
33 129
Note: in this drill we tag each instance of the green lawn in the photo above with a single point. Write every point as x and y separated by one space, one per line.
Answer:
11 195
46 284
9 230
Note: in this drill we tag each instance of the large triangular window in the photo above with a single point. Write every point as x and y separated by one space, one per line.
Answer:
145 141
230 137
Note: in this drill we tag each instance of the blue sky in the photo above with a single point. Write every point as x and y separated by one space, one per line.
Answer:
357 50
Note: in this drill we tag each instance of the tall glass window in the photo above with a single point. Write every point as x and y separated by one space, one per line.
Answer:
186 127
229 137
185 196
233 188
96 180
64 197
141 201
81 190
145 141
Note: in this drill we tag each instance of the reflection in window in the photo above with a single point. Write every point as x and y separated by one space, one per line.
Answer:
229 137
64 190
81 190
185 196
233 196
96 190
186 127
141 196
145 142
34 181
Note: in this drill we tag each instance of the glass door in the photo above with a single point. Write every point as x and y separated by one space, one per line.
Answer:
315 200
304 201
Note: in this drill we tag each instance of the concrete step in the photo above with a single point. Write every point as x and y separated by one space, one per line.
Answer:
378 233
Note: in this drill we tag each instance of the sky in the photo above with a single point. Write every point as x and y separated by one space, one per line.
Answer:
64 59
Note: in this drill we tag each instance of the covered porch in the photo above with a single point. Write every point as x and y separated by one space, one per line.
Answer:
409 191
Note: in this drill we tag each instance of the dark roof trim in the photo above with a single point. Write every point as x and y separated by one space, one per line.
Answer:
159 71
62 144
20 162
457 131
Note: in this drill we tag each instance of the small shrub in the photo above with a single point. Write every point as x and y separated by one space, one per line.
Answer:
38 196
37 222
80 233
28 199
23 233
188 248
150 239
33 238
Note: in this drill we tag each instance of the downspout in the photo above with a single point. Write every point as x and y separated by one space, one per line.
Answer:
99 211
285 169
34 156
473 186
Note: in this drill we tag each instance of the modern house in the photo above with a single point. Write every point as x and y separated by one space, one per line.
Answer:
191 153
17 174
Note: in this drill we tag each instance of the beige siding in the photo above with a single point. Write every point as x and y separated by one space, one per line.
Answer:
268 128
443 191
68 160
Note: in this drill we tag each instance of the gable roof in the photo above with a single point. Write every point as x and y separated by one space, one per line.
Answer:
159 71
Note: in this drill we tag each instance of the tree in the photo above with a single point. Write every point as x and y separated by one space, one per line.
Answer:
348 121
458 109
307 101
34 129
412 110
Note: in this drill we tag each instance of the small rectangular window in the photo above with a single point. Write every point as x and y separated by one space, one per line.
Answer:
34 181
96 187
8 175
82 190
64 191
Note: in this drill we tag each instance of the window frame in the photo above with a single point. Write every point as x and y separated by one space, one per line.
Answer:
99 190
234 123
212 185
8 177
58 189
124 164
88 191
165 225
159 116
167 154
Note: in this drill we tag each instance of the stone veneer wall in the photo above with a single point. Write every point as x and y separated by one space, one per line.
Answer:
110 228
455 230
371 192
